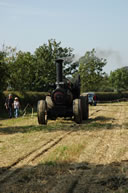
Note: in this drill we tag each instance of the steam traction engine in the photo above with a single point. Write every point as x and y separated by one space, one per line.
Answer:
65 100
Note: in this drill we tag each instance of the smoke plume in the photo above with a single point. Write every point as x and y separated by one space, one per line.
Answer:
113 57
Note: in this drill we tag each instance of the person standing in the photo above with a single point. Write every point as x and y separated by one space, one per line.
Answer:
9 105
94 100
16 107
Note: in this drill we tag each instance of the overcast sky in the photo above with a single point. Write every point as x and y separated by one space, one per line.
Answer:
79 24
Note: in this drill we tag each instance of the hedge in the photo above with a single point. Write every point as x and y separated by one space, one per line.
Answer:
111 96
32 97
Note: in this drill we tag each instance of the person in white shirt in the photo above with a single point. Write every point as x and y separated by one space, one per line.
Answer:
16 107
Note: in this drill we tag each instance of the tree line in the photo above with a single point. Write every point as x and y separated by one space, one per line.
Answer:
24 71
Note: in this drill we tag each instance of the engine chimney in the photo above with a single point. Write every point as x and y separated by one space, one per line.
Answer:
59 63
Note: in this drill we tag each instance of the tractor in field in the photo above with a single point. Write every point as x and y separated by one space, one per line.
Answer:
64 101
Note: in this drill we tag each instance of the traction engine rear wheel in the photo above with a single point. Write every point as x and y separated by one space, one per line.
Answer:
50 104
77 110
85 109
42 112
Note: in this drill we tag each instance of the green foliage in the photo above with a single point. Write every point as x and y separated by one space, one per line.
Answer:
45 71
119 79
36 71
111 96
21 72
3 71
90 70
105 85
24 71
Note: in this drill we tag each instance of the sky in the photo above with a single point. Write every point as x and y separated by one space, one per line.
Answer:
79 24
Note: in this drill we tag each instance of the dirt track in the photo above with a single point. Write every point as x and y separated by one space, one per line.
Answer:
64 157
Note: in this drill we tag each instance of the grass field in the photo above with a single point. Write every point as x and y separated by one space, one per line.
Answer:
65 157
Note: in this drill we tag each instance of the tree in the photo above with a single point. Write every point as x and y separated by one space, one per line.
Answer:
21 71
35 72
91 71
105 85
45 56
3 71
119 79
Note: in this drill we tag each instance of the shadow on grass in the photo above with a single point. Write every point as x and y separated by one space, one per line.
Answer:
24 129
3 116
54 177
98 123
126 125
101 126
102 118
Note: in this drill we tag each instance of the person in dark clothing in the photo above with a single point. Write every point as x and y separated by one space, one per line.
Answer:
9 105
94 100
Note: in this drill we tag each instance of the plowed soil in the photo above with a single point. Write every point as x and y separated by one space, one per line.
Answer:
65 157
